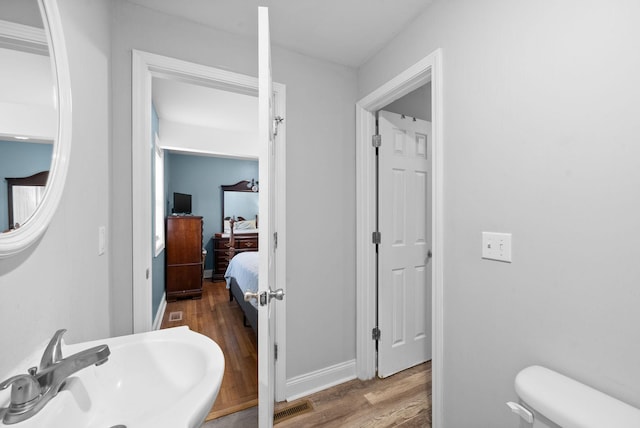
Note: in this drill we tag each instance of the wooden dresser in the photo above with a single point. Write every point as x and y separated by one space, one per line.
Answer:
222 251
183 257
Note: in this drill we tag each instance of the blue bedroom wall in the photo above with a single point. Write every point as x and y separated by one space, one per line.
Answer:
20 159
201 177
157 265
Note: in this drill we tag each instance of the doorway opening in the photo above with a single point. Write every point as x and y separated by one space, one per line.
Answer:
426 70
146 67
403 178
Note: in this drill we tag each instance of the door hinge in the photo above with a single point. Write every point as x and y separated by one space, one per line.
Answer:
275 351
376 238
376 140
277 121
275 240
375 333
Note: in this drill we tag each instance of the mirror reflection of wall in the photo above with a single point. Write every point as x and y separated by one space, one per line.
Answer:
28 113
241 204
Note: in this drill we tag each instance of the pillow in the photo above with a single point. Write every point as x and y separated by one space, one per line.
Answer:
244 225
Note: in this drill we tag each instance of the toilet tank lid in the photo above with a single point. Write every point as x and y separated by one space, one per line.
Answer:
570 403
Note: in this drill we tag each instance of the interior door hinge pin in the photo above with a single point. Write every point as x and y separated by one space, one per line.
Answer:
375 333
376 238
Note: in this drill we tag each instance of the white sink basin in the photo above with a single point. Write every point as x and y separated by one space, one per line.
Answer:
166 378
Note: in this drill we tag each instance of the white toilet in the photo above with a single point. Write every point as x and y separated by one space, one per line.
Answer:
551 400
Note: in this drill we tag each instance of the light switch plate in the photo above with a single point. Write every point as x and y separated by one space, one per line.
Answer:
496 246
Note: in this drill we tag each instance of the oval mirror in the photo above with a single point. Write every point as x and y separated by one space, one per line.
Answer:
35 120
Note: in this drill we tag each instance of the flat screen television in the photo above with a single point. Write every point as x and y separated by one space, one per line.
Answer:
181 203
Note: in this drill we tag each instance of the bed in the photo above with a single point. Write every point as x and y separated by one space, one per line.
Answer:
241 276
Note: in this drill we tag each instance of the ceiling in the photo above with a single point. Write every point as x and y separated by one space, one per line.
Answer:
202 106
347 32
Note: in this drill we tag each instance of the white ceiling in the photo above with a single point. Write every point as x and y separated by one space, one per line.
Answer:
347 32
202 106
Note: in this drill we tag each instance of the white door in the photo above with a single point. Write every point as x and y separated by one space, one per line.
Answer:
266 308
404 268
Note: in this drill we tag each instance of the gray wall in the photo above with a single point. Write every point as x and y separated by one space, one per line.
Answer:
320 180
61 282
415 104
541 140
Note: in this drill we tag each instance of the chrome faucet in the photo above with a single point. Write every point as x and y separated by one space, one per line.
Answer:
31 392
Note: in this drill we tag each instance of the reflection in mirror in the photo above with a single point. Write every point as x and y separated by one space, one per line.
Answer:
35 112
28 114
24 196
240 202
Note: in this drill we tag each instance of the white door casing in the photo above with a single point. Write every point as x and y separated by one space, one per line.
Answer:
428 69
146 65
404 268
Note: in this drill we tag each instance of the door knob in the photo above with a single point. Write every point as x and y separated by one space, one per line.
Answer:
262 297
249 295
277 294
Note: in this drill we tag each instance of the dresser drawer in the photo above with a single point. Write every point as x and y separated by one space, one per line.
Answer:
242 244
222 243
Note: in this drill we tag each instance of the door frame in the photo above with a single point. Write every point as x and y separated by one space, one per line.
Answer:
425 70
145 66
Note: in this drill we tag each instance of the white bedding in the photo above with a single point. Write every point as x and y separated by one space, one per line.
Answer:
239 232
244 267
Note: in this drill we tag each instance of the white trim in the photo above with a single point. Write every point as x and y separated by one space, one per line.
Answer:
208 273
145 66
23 37
18 240
281 250
157 322
158 223
425 70
142 228
306 384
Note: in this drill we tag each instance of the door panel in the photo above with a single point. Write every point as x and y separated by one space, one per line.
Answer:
404 271
266 313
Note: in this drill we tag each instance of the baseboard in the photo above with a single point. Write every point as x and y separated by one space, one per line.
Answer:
157 321
208 273
306 384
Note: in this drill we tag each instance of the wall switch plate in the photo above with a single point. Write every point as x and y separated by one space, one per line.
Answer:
496 246
101 240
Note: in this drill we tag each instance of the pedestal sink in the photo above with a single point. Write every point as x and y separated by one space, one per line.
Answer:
166 378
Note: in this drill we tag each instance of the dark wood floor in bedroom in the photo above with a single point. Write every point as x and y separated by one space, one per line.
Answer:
221 320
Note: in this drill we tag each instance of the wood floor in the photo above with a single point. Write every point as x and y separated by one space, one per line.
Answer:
221 320
402 400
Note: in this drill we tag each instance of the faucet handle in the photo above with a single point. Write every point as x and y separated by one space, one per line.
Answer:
53 352
25 388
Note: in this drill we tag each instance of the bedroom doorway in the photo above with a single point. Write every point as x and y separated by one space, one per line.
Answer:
429 69
145 67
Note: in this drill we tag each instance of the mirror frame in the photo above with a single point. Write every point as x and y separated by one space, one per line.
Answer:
15 241
240 186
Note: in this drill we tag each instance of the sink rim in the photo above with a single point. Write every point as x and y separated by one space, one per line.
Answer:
188 410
